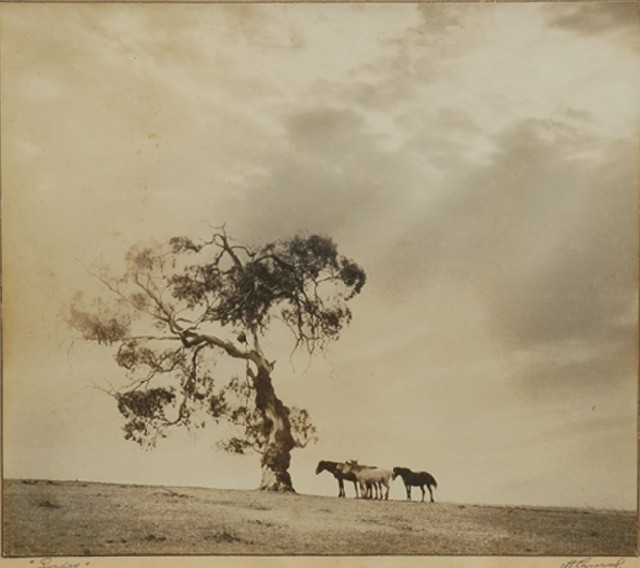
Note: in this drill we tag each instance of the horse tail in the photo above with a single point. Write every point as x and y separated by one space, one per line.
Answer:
431 480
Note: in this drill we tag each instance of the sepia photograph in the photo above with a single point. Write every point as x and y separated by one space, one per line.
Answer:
342 281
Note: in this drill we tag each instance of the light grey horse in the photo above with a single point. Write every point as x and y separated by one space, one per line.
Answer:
371 479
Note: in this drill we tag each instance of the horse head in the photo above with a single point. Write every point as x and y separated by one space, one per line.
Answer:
398 471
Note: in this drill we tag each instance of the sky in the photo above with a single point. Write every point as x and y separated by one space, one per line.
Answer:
479 161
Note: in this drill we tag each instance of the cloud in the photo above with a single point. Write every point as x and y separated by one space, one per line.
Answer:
596 18
547 236
562 239
560 372
330 173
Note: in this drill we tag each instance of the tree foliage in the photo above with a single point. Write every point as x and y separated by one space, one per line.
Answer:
179 307
245 288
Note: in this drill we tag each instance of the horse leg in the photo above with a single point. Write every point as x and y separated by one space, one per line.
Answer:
423 492
431 493
408 488
355 486
388 486
340 488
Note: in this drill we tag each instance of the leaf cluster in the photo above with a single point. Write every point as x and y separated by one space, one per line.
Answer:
145 413
303 281
100 322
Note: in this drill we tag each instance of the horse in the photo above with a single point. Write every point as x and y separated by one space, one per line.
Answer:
415 478
369 478
335 469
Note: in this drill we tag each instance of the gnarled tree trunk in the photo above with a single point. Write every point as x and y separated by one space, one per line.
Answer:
277 456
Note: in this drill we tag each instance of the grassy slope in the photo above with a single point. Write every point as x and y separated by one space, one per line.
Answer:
45 518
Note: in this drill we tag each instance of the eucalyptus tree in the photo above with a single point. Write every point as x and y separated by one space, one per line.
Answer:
178 308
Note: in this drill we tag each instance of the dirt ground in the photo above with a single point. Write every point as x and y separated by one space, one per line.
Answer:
55 518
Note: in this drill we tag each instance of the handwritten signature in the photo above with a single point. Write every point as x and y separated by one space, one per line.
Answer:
588 562
49 563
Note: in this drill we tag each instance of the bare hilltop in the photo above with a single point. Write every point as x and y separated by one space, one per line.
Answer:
73 518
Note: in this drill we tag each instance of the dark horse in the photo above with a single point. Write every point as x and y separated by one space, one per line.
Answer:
415 478
334 467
